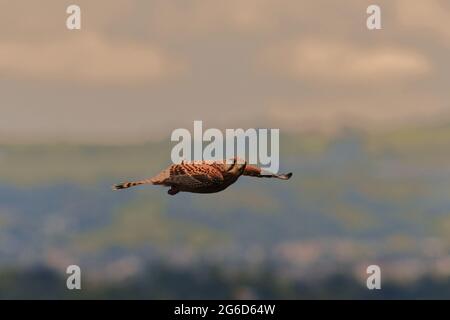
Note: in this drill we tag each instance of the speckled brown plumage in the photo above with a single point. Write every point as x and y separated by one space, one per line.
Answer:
202 176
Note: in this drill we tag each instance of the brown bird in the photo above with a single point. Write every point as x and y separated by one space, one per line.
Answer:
202 176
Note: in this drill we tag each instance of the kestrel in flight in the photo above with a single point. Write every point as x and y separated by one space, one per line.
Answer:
202 176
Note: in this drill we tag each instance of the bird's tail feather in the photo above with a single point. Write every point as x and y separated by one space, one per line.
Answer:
126 185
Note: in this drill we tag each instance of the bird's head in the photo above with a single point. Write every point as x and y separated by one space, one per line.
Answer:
235 166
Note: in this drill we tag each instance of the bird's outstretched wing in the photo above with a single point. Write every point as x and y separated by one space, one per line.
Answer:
190 175
254 171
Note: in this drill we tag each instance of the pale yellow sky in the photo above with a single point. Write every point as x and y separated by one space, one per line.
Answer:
139 69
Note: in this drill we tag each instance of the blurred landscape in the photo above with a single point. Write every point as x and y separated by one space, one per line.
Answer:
356 199
364 118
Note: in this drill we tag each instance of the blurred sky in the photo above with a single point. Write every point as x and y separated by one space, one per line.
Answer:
139 69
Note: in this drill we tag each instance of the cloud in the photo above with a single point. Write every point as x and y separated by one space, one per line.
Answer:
290 64
202 17
367 111
330 61
86 58
431 17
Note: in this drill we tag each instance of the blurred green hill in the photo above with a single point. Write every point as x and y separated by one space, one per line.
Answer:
355 199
